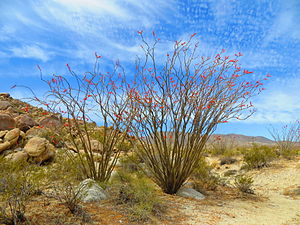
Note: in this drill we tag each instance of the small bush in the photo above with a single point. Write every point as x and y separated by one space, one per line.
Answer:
138 194
204 178
244 183
69 196
19 181
259 156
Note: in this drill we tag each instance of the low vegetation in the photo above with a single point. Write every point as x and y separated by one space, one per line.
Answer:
138 194
204 179
244 183
258 156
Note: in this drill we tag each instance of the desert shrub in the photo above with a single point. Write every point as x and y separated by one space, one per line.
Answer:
286 139
19 181
204 178
138 193
244 183
68 195
259 156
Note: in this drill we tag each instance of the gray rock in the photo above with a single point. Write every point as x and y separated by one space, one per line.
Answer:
90 191
190 193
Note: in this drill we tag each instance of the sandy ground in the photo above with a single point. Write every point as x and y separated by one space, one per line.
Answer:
270 206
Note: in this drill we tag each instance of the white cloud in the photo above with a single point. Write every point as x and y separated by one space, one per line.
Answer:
31 51
279 103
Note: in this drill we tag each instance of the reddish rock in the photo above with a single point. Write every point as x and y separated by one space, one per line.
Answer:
6 122
52 122
4 105
25 122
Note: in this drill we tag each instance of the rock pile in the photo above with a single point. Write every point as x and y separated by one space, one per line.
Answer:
20 127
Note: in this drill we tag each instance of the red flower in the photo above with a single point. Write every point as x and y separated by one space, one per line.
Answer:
247 72
97 56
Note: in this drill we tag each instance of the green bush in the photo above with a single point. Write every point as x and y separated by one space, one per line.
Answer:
138 193
244 183
259 156
204 178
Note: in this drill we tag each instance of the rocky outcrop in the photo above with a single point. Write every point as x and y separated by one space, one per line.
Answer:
6 122
39 149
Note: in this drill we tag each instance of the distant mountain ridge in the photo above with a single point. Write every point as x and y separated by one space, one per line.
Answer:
243 139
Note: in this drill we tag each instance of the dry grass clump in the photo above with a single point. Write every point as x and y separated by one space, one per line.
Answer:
244 183
138 195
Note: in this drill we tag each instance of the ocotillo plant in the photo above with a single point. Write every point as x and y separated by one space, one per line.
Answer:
86 98
179 103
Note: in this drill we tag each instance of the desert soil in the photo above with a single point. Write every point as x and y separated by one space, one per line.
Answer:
271 205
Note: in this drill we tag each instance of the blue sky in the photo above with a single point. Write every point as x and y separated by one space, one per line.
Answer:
52 33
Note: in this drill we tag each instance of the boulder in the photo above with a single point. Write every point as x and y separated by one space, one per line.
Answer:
190 193
6 122
2 133
39 149
52 122
36 132
4 105
18 156
4 146
90 191
12 136
25 122
5 95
